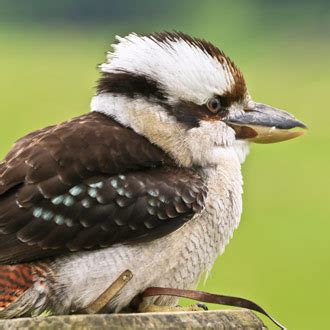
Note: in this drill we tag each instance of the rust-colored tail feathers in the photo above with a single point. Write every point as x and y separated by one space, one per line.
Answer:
14 281
17 292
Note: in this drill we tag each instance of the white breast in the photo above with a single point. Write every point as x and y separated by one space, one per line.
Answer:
176 260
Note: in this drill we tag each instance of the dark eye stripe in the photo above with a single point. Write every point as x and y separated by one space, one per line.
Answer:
130 85
226 101
190 114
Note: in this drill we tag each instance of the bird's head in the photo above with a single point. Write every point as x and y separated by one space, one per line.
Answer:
186 96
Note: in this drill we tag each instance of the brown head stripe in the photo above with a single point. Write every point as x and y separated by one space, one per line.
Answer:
130 85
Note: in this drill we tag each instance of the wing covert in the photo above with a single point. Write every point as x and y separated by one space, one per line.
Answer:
101 211
60 156
46 164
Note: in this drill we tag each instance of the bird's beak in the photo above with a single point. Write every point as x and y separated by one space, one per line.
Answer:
262 123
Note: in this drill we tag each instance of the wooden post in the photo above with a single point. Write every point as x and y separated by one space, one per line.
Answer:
223 319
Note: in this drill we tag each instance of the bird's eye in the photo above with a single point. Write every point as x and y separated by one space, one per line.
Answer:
214 105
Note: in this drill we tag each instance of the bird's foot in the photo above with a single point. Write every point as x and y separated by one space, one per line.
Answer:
150 308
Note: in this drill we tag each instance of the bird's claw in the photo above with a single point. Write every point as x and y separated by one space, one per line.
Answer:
203 306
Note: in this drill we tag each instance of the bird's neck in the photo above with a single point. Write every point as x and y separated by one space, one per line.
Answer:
146 119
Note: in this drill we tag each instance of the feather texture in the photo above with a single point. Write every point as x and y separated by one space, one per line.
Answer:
80 185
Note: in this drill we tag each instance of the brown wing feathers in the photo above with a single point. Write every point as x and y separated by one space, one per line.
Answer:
102 211
62 155
62 191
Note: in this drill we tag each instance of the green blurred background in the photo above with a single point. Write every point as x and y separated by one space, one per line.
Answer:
279 256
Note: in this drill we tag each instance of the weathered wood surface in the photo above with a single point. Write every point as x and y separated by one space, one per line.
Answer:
225 319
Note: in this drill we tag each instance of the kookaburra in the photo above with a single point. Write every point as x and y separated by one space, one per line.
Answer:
149 180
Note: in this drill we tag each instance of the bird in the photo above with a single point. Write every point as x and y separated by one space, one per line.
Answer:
148 180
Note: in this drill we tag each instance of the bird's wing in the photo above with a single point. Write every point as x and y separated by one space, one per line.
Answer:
88 184
60 156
